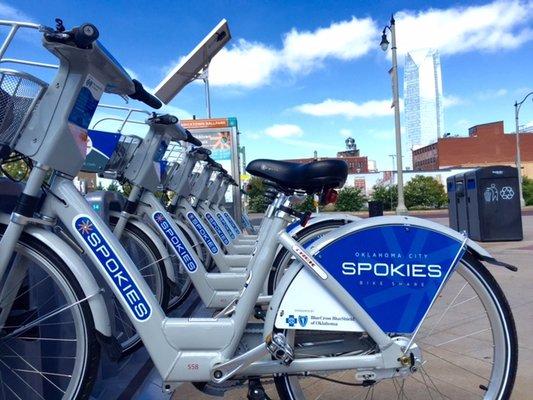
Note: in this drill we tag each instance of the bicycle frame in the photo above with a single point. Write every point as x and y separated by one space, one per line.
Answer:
189 349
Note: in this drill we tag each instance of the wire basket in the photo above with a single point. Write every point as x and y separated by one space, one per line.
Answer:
172 158
174 153
126 147
19 94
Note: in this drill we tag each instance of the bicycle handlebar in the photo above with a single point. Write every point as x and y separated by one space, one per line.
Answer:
142 95
191 139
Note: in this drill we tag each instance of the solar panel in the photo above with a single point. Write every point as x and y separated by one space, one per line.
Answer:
191 66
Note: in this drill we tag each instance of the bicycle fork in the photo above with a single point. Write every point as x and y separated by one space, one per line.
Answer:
21 216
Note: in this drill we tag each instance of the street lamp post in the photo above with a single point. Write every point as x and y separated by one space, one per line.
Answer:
400 208
517 106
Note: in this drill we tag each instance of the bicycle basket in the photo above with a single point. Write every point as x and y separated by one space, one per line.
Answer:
126 147
19 94
172 159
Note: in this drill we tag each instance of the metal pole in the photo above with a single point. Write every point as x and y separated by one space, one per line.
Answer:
400 208
207 94
518 160
517 106
391 181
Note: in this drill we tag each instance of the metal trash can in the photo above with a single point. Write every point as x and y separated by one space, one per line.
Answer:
493 204
457 202
375 208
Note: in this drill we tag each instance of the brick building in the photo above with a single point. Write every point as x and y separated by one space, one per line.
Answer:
486 144
356 164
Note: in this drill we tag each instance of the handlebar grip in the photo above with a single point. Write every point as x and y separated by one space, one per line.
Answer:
142 95
191 139
166 119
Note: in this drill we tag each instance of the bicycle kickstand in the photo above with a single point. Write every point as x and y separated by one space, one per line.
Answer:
256 390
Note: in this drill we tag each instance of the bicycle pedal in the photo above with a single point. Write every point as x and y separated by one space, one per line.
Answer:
259 313
279 348
256 390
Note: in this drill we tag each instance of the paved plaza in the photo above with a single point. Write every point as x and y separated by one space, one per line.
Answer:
518 287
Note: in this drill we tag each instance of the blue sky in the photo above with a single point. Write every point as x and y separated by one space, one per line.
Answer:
302 75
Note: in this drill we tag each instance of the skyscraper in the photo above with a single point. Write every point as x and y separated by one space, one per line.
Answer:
422 99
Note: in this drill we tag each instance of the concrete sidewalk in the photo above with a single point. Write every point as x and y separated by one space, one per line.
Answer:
518 287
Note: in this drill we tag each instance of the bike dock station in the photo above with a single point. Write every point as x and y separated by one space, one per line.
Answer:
129 296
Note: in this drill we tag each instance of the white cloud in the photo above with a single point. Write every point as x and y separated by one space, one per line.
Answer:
450 101
11 13
252 64
349 109
490 27
493 26
279 131
245 64
345 40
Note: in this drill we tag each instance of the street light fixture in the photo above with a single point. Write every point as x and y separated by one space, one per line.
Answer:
400 208
517 106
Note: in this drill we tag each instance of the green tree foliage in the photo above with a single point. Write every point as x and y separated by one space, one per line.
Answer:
256 200
350 199
307 205
527 189
425 192
113 187
18 170
388 195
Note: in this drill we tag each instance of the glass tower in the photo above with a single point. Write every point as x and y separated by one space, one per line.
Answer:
422 99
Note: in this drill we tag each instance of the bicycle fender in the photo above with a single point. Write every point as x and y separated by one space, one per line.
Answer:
295 227
169 269
74 262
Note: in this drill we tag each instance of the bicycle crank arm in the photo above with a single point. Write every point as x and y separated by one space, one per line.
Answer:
274 345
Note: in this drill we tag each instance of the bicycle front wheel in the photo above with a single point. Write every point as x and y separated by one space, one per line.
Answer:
468 344
48 346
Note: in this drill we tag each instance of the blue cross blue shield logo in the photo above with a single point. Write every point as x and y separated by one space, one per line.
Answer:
291 320
302 319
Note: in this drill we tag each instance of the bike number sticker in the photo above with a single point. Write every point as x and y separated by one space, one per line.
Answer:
175 241
202 231
113 266
217 228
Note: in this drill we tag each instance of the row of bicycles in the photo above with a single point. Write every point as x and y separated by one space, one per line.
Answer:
325 306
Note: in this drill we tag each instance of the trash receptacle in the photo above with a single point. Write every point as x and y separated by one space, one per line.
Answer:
375 208
493 203
457 202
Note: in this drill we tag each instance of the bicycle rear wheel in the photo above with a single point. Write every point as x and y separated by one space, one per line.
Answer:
468 343
48 346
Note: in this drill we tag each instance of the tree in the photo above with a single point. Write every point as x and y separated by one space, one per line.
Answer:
113 187
256 195
425 192
307 205
18 170
527 190
350 199
388 195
